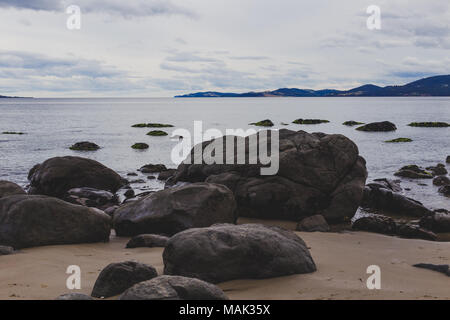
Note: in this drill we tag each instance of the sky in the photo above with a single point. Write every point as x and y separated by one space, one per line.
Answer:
157 48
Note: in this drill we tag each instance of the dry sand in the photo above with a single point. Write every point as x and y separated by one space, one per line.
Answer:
341 259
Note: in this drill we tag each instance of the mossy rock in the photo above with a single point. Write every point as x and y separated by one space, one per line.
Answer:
152 125
429 124
414 172
85 146
399 140
140 146
352 123
383 126
157 133
310 121
263 123
12 132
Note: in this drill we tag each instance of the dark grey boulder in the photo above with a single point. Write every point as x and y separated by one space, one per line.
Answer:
85 146
378 126
153 168
438 221
315 223
118 277
375 223
8 188
30 221
74 296
91 197
147 241
166 174
5 250
438 170
382 199
173 210
448 159
445 190
173 288
318 174
226 252
411 231
441 181
55 176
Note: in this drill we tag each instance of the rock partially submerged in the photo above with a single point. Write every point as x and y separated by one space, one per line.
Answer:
165 175
148 241
13 132
445 190
399 140
153 168
384 126
438 170
152 125
85 146
448 159
55 176
118 277
173 210
157 133
140 146
8 188
263 123
441 181
318 174
429 124
352 123
226 252
173 288
30 221
310 121
413 172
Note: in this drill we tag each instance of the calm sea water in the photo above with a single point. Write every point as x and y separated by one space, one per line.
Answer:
53 125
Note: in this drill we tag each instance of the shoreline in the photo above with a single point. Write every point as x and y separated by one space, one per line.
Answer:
342 259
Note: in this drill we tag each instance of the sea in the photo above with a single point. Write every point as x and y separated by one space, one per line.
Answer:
51 126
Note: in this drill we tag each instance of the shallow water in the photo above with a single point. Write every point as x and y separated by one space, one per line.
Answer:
53 125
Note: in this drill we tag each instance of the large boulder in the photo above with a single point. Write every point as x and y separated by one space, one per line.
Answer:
118 277
227 252
173 288
8 188
173 210
382 198
55 176
318 174
30 221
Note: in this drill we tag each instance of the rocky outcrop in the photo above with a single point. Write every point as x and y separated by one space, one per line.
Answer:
173 288
147 241
438 221
84 146
318 174
441 181
118 277
315 223
9 188
30 221
55 176
414 172
227 252
375 223
383 126
412 231
173 210
380 197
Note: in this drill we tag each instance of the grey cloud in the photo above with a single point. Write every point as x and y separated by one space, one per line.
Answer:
256 58
129 8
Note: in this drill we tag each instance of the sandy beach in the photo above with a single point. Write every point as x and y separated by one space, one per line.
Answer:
341 259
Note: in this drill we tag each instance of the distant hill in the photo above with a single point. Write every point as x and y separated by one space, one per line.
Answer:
433 86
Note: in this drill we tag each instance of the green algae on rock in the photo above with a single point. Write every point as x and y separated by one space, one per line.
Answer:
310 121
399 140
157 133
140 146
263 123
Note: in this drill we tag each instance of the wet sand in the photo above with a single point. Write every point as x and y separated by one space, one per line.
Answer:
341 259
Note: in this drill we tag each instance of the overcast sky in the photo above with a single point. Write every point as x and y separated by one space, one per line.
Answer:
146 48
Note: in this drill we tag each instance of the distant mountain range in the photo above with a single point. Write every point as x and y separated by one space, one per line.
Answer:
432 86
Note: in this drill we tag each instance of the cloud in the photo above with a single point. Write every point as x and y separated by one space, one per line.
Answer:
254 58
189 57
128 8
